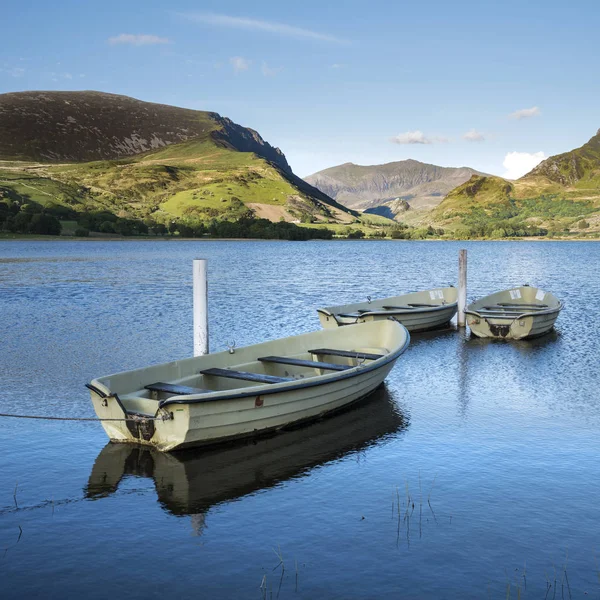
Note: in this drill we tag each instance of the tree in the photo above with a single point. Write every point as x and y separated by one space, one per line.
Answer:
22 221
185 230
45 224
106 227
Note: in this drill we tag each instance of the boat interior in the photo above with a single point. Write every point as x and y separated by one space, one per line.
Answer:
265 370
510 310
413 302
514 303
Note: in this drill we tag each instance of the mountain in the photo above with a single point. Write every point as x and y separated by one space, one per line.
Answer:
561 196
421 185
93 151
570 168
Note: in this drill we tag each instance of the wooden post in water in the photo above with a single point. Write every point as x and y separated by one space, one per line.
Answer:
462 287
200 323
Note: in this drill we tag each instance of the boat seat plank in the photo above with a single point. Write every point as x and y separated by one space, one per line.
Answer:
170 388
298 362
258 377
353 315
496 314
346 353
516 308
518 305
414 305
398 307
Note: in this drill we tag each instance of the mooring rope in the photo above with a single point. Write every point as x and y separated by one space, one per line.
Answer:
80 418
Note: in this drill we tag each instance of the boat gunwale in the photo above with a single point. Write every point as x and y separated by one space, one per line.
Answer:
298 384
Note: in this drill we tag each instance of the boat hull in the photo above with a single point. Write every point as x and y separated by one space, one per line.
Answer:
442 306
247 411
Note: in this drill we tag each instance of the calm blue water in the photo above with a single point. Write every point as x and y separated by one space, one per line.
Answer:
496 444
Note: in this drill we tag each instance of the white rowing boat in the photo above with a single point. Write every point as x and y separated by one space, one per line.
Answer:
514 314
253 390
418 311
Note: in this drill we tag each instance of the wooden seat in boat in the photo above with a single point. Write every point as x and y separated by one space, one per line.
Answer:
170 388
509 304
398 307
258 377
298 362
423 305
499 314
346 353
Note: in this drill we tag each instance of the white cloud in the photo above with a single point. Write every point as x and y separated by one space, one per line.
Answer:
260 25
518 164
337 66
13 71
58 76
137 39
239 63
270 71
525 113
474 136
417 137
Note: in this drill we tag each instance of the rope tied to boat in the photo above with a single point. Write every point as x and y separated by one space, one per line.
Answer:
163 417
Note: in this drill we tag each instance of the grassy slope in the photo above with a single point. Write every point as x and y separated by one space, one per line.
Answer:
562 194
198 179
532 201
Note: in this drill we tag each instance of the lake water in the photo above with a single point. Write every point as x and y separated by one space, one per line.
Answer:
496 444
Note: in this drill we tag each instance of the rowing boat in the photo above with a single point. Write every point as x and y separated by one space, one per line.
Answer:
514 314
418 311
247 391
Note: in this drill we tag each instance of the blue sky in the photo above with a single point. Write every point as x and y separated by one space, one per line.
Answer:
494 86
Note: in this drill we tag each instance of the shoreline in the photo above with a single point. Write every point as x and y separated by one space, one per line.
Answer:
65 238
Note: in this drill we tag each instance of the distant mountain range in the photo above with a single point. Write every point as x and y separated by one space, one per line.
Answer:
391 188
92 151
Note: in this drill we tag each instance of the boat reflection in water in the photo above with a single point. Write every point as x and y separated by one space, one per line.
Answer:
190 482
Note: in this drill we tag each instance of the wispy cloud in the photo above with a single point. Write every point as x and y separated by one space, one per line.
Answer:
13 71
337 66
259 25
239 63
142 39
418 137
525 113
518 164
59 76
474 136
270 71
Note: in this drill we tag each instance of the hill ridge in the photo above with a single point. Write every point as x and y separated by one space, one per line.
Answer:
109 153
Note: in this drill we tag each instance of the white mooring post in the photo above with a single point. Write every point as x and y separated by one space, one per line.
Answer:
462 287
200 307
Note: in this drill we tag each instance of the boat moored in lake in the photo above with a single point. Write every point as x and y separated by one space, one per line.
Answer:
247 391
417 311
514 314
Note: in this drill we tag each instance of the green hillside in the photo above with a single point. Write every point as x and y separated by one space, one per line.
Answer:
150 174
559 198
